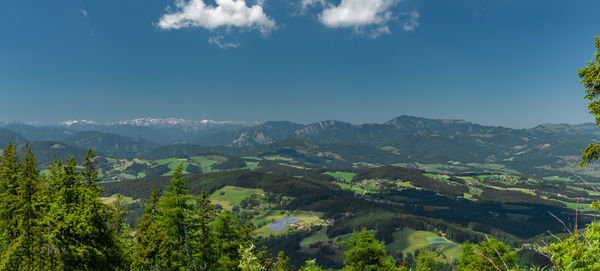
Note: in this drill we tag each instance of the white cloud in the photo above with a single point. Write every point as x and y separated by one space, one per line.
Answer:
412 22
226 14
368 17
221 43
84 12
305 4
358 13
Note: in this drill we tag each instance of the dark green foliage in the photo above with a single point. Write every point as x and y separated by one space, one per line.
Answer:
179 230
9 181
55 222
282 262
24 252
89 173
232 162
490 255
366 253
579 251
426 261
79 224
590 78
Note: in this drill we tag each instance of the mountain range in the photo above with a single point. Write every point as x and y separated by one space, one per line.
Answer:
324 143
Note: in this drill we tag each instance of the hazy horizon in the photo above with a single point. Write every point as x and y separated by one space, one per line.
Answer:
38 123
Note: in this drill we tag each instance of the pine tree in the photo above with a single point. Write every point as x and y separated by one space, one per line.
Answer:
178 221
311 265
80 230
24 251
580 251
248 260
9 175
282 262
90 173
590 78
204 214
467 256
426 261
228 234
490 255
366 253
152 246
119 211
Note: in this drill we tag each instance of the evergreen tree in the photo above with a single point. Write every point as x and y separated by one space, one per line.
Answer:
80 224
467 256
24 251
121 229
177 219
249 261
581 250
282 262
426 261
490 255
151 250
590 78
119 211
311 265
90 173
366 253
227 235
205 215
9 175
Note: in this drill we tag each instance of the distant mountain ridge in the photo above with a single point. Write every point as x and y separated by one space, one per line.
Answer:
326 143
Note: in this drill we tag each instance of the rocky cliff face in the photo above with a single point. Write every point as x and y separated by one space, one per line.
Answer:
252 138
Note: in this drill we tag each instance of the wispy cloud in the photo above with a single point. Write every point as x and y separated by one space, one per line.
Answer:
306 4
84 12
412 22
225 14
221 43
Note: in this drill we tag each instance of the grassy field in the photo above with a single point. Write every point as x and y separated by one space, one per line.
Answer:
346 176
230 196
409 241
556 178
206 162
110 200
119 169
317 236
278 157
346 237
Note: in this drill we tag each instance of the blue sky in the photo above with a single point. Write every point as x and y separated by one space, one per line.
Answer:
501 62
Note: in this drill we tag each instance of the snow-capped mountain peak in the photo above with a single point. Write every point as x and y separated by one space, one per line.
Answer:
178 123
69 123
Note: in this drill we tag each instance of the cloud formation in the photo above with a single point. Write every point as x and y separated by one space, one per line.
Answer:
305 4
358 13
221 43
367 17
226 14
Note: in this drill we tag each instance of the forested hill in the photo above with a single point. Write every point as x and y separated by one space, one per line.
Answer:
548 149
